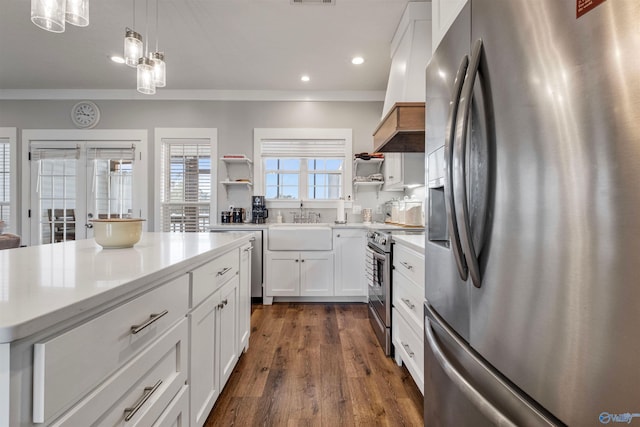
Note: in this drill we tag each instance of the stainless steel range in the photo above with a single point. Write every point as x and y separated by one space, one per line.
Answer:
378 272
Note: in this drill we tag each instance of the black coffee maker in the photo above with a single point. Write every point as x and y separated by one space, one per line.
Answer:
259 210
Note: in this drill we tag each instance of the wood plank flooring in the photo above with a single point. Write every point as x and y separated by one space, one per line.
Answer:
316 365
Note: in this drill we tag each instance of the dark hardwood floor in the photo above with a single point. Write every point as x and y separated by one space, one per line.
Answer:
316 365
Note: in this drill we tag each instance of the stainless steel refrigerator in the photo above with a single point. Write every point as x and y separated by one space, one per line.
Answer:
532 313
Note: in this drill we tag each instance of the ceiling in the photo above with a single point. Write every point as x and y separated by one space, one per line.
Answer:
210 46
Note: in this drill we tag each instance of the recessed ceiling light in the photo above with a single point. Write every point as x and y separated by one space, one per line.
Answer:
357 60
117 59
305 78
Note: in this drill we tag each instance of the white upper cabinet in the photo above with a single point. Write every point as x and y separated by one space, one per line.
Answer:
443 13
410 53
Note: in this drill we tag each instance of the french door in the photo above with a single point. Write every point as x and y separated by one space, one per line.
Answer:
73 182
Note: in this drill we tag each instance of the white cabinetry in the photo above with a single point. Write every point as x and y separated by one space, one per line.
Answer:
407 321
403 169
214 340
349 246
443 13
292 273
244 297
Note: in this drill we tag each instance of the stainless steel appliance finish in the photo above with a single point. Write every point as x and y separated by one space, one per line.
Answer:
540 197
380 255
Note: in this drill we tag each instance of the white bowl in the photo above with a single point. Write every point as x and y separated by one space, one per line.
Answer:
112 233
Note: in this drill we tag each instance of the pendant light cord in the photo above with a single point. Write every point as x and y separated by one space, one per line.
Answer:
146 27
157 31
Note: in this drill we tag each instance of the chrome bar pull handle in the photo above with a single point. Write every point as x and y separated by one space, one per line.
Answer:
408 349
408 303
223 271
406 265
148 391
152 318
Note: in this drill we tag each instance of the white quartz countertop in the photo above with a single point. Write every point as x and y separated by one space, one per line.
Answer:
251 226
414 241
43 285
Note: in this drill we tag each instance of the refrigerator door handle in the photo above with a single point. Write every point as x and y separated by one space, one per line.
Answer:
492 413
448 175
459 167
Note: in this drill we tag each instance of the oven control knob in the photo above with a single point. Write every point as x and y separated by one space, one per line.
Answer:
383 240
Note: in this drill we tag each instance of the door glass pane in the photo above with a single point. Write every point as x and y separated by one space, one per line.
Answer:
57 199
112 191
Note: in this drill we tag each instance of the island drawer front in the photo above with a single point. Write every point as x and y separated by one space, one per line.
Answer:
206 279
408 298
410 263
164 363
410 347
71 364
177 413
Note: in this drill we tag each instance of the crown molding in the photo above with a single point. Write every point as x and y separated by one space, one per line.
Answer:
192 95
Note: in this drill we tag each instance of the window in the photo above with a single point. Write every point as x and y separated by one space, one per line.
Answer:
7 184
187 185
303 164
5 180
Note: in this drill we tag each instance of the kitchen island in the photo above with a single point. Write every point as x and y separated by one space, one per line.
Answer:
86 332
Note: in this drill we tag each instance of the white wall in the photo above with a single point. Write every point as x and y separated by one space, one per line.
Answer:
235 121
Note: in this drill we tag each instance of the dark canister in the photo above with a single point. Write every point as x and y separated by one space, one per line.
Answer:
225 217
238 215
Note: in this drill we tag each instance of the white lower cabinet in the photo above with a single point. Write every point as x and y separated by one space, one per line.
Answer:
244 298
407 328
214 348
156 358
291 273
349 246
141 390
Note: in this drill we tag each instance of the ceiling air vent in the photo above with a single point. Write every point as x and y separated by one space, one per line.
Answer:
326 2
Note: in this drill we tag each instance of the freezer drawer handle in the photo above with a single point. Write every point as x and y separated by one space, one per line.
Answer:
148 391
408 303
491 412
408 349
152 318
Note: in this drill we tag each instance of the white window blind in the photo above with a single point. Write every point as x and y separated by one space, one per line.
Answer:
186 178
303 169
5 180
56 189
112 186
303 148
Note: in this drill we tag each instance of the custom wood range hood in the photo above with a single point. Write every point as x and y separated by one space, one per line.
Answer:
402 129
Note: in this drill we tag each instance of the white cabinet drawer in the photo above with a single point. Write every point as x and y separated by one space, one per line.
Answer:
67 367
410 263
408 299
209 277
177 413
409 347
141 390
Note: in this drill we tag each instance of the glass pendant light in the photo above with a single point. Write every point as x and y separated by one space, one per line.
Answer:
132 47
77 12
49 14
145 76
159 69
